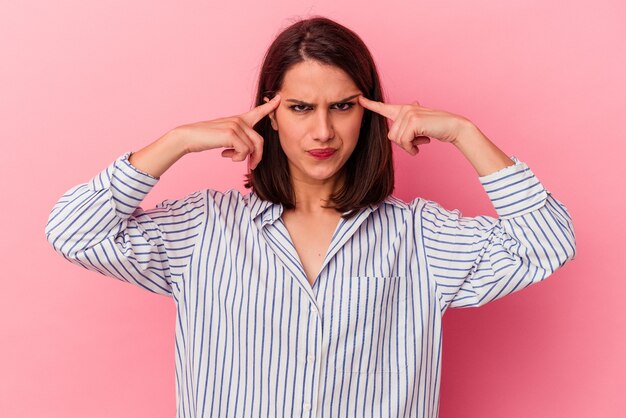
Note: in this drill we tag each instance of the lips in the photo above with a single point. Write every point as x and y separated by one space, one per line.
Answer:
322 152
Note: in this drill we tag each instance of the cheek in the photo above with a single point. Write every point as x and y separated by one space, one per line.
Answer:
352 126
291 127
289 133
357 123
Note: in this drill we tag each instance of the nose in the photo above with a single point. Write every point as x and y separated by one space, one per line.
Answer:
323 128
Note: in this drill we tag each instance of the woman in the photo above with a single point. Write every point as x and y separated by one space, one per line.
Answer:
317 293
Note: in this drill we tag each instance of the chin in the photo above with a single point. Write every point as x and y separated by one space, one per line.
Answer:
321 174
315 172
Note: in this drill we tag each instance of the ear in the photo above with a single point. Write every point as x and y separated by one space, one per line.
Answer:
272 115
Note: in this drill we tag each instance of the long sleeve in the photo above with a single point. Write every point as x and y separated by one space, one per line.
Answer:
476 260
100 226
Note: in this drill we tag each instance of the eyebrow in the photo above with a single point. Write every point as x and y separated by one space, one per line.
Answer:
312 105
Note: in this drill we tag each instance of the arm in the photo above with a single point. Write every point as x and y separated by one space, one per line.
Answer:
155 158
100 226
533 236
476 260
235 133
484 155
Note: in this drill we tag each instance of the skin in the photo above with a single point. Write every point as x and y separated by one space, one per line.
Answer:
326 122
413 124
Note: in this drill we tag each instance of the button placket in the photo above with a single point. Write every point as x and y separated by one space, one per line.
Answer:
308 355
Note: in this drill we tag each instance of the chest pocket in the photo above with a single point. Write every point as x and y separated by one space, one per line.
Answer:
368 327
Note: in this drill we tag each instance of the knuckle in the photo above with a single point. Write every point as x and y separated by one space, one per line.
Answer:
232 123
230 130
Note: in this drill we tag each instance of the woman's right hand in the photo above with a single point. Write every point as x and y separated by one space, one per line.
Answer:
235 133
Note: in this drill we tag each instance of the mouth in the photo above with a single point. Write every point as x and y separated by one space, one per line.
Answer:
322 153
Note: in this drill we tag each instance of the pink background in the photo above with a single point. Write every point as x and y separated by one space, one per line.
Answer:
83 82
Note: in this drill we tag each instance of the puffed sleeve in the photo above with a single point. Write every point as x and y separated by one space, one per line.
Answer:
476 260
100 226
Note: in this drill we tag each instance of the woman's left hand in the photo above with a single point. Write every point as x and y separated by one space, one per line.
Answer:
413 124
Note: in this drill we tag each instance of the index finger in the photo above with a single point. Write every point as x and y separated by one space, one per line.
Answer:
387 110
259 112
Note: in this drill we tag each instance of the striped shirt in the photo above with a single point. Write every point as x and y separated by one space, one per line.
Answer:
254 338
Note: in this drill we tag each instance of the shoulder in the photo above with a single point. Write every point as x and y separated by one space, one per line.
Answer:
415 209
210 199
416 206
234 205
231 200
425 211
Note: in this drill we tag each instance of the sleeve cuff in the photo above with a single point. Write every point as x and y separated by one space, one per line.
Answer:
514 190
127 186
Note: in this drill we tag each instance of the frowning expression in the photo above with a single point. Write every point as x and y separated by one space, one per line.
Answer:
318 120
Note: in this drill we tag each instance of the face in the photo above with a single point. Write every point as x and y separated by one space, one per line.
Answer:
318 120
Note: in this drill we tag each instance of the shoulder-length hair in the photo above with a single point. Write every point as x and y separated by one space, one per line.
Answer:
368 173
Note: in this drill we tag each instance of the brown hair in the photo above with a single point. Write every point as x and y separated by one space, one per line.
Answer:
368 173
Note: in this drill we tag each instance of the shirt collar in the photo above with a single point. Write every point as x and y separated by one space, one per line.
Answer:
270 211
392 200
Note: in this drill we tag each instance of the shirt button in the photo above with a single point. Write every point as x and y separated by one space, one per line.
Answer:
313 309
307 406
311 358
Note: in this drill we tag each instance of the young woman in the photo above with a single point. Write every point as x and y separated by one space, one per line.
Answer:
317 293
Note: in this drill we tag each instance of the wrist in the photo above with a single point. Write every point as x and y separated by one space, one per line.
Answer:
176 141
483 154
466 132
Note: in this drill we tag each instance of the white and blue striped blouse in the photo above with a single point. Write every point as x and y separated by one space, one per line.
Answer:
254 338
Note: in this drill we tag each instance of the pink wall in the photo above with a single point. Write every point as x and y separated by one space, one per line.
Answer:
82 82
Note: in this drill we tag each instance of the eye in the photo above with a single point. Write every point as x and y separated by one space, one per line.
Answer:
342 107
348 106
298 106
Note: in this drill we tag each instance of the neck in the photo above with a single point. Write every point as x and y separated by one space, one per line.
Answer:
311 196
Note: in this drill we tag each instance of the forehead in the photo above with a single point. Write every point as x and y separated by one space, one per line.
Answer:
311 79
